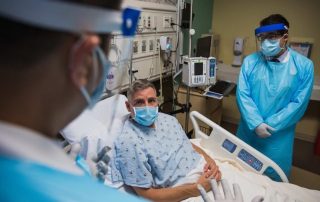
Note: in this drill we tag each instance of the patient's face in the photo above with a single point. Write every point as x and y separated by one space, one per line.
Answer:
142 98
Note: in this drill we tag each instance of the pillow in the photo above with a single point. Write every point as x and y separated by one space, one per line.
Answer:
98 122
87 131
97 128
112 106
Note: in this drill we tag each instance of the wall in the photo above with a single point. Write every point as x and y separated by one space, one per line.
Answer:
240 18
202 23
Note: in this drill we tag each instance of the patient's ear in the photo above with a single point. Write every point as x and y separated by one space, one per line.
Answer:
128 106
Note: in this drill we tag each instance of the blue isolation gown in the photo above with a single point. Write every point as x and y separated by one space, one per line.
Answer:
34 168
275 93
23 180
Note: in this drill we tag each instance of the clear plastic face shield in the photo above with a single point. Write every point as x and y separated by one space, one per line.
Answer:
80 19
268 39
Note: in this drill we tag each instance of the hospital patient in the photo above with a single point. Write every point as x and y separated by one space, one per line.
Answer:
153 155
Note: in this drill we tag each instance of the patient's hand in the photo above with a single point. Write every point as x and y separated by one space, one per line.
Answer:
204 182
211 170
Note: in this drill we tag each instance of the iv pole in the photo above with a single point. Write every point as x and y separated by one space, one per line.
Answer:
189 54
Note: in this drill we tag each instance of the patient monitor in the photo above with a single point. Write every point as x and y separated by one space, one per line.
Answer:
199 71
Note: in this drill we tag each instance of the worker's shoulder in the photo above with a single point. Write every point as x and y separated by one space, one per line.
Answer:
250 62
301 60
253 57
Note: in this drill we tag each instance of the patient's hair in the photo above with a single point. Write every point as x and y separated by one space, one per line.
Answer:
138 85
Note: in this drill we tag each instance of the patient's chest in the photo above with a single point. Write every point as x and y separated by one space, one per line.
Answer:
169 151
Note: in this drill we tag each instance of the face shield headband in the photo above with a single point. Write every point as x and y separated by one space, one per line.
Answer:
71 17
270 28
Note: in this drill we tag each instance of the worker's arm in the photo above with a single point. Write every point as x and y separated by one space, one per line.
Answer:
178 193
210 169
247 107
295 109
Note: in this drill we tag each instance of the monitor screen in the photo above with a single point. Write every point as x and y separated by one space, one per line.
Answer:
204 47
198 68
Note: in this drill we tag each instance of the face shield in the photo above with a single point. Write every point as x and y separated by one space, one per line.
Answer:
79 19
268 39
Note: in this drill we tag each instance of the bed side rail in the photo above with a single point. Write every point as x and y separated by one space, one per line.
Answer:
224 144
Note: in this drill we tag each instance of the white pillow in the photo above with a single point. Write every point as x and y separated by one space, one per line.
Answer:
105 109
88 131
98 122
96 128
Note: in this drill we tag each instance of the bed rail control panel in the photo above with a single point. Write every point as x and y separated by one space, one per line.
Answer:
229 146
250 160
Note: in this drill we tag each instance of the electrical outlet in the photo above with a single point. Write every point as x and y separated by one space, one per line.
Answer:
135 47
144 46
171 20
166 22
144 21
151 45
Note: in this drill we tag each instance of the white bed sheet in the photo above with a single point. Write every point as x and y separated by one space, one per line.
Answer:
253 184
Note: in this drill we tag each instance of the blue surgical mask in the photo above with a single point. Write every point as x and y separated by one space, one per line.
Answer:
270 47
96 95
145 116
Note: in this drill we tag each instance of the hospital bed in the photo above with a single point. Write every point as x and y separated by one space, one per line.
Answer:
99 127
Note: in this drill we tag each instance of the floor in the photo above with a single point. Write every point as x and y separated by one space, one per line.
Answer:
306 166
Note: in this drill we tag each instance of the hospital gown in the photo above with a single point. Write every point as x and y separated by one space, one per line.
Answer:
153 157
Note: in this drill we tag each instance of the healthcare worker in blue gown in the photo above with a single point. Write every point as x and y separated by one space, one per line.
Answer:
273 92
52 66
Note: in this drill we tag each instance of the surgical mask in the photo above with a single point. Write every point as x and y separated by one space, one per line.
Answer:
270 47
96 95
145 116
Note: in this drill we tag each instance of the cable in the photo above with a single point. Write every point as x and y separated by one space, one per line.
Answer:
160 73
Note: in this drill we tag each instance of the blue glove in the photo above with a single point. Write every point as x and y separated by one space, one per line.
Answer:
97 167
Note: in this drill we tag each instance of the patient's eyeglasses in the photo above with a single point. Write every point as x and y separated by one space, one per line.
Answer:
151 101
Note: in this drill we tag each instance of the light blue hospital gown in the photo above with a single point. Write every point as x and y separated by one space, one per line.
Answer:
152 157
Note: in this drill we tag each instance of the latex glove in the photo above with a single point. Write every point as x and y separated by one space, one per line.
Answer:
97 167
102 163
263 130
227 192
